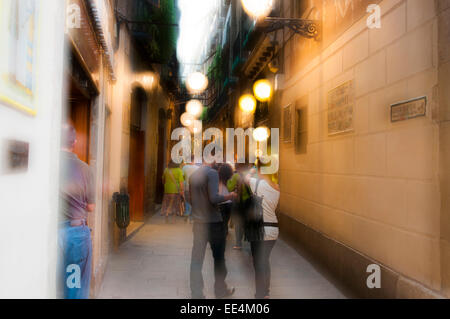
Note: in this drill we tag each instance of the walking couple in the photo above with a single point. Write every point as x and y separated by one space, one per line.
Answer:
210 227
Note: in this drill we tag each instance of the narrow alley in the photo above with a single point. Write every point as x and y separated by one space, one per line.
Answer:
322 126
154 264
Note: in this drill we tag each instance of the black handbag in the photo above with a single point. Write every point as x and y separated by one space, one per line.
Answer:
254 217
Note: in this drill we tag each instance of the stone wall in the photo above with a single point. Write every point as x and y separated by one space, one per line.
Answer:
444 102
375 189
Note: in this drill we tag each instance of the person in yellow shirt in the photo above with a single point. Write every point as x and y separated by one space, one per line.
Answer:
173 201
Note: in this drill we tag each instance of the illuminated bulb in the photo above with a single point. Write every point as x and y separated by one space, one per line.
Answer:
262 90
187 119
195 108
148 80
195 127
257 9
197 82
261 134
247 103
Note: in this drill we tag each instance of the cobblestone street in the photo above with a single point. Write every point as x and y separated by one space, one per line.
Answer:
155 262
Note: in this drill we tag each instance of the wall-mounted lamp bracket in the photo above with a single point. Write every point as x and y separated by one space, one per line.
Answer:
306 28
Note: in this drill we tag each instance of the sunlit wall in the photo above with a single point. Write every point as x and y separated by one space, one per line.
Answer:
30 112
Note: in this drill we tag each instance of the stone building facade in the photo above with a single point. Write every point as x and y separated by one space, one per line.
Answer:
361 185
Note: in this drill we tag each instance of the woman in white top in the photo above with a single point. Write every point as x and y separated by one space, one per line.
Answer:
261 250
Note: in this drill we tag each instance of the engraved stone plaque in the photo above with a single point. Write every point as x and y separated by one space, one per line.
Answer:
340 109
410 109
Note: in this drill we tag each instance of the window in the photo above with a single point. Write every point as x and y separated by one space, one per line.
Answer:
301 128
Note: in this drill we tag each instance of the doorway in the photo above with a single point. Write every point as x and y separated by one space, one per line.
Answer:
79 115
137 168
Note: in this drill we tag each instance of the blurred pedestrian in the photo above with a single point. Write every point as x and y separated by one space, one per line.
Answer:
236 183
208 228
173 201
225 173
268 193
188 169
77 199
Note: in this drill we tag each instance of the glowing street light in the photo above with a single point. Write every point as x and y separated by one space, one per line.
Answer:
148 79
195 108
247 103
187 119
261 134
197 82
258 9
262 90
259 153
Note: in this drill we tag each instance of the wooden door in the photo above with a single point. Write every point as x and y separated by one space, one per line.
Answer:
136 175
80 118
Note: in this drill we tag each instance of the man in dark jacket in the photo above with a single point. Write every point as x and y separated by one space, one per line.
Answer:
208 228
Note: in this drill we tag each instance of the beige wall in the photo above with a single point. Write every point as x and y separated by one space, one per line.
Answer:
375 189
444 101
120 120
29 198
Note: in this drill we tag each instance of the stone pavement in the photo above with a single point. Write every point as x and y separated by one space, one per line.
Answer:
155 262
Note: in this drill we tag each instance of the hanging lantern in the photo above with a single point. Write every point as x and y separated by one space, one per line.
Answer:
247 103
261 134
257 9
262 90
187 119
196 83
195 108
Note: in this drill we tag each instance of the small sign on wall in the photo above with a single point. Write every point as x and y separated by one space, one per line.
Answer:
410 109
15 156
340 109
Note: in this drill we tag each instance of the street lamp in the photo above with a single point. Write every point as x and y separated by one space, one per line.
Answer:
197 82
187 119
260 9
195 108
247 103
262 90
261 134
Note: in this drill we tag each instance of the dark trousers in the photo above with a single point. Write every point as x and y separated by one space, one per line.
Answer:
238 221
214 234
225 210
261 253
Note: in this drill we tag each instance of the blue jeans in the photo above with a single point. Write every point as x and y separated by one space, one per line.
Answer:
188 208
75 261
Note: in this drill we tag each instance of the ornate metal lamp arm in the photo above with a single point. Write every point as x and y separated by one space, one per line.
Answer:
307 28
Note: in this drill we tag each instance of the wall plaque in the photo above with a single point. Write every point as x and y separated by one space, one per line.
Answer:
287 124
410 109
340 108
16 156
